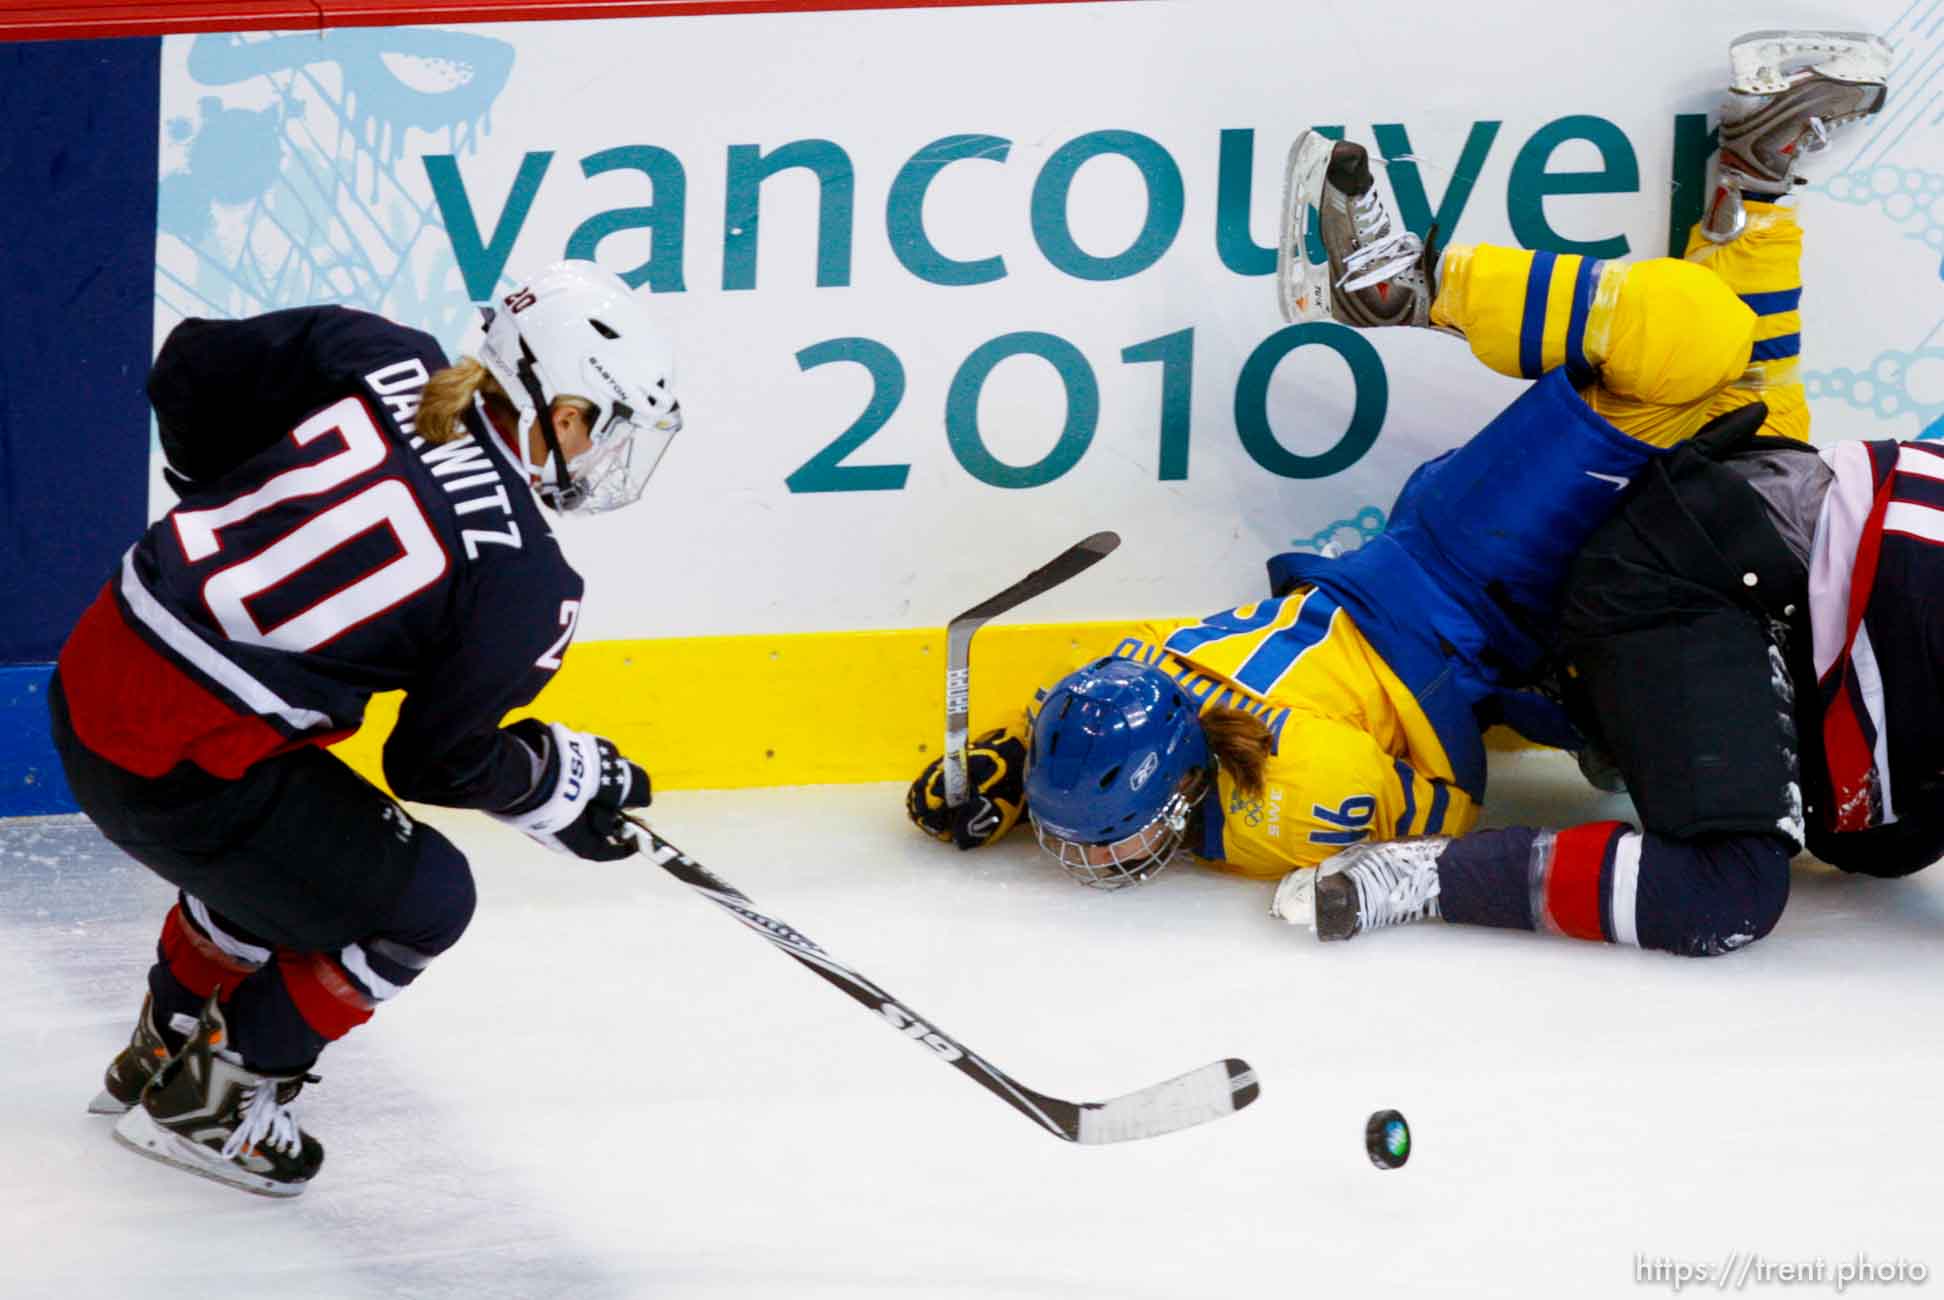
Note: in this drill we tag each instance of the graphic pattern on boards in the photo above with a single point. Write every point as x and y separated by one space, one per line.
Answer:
1887 174
282 186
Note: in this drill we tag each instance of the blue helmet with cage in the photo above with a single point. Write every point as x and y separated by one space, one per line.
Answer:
1118 760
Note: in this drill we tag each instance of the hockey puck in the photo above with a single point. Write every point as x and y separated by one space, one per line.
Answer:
1388 1139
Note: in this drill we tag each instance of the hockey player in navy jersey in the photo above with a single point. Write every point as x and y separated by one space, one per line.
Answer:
1756 634
356 515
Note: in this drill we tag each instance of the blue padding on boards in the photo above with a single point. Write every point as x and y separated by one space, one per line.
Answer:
31 781
78 172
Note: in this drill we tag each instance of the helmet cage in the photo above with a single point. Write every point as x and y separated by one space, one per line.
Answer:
1116 764
615 470
570 304
1133 859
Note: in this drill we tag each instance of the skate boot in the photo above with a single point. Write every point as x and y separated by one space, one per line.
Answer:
209 1114
148 1050
1365 887
1375 272
1787 91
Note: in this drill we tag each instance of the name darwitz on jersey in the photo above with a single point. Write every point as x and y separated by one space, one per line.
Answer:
460 466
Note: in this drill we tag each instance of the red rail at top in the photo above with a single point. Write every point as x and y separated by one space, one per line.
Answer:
23 20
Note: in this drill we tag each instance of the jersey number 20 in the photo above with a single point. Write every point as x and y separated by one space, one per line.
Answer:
388 503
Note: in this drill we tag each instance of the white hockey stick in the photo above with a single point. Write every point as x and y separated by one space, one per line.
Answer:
1216 1089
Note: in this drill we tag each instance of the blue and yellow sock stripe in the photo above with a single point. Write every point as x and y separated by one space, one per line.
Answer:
1559 293
1764 269
1778 328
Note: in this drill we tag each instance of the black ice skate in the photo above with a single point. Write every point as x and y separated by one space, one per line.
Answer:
210 1115
1365 887
1787 92
1374 271
147 1052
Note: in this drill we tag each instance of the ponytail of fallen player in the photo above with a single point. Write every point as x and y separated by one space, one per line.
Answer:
1241 745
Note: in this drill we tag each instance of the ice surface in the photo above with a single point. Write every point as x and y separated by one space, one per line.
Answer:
608 1089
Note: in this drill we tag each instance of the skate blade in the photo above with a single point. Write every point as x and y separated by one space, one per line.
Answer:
1303 286
1760 62
139 1132
106 1103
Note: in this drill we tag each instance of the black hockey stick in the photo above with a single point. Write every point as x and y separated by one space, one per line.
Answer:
1074 560
1217 1089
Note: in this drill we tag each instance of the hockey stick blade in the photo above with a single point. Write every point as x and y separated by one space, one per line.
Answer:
1071 562
1217 1089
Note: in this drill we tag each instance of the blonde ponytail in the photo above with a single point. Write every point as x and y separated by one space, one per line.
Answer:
1240 744
449 394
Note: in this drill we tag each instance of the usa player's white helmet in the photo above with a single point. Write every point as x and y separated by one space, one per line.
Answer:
577 330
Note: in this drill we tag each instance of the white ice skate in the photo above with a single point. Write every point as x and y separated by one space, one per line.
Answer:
1295 900
1769 62
1787 91
1365 887
1373 271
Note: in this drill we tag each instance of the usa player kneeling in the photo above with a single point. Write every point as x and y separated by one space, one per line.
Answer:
356 515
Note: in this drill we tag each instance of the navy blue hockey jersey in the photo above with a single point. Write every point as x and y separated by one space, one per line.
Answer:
322 551
1875 582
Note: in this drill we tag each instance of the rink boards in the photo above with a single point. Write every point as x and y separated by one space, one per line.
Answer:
951 286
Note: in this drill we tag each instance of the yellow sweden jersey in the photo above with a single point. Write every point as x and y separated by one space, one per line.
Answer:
1354 758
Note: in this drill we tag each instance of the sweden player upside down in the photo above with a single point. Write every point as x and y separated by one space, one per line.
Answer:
1754 635
1348 708
1351 705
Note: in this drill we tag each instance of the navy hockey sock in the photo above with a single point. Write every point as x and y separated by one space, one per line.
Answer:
1482 879
1578 882
1607 882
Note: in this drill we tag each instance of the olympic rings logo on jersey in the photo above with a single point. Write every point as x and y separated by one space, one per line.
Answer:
1249 810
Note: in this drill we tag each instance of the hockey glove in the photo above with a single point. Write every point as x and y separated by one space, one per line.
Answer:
995 769
581 784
